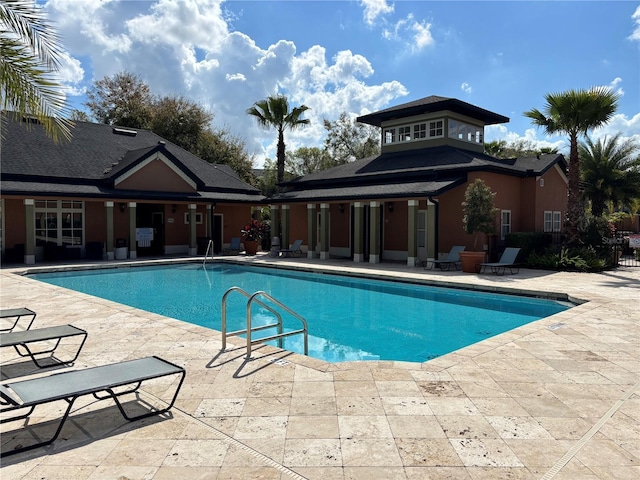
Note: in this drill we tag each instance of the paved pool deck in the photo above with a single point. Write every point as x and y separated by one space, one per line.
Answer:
555 399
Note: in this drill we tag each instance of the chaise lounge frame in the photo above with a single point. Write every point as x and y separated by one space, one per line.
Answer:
21 341
100 382
16 313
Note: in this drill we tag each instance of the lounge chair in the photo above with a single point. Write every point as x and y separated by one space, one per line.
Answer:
9 315
233 248
101 382
452 258
22 342
294 251
507 260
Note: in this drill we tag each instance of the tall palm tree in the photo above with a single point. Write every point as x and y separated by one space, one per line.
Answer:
574 113
29 58
273 111
610 172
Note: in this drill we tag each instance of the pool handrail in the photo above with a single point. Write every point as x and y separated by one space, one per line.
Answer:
248 331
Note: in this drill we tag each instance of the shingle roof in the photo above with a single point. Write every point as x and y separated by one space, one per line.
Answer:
427 171
430 104
96 153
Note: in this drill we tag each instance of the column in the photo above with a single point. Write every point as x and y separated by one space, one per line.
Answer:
324 231
358 232
312 230
193 248
30 232
133 243
412 234
284 240
275 223
109 239
374 232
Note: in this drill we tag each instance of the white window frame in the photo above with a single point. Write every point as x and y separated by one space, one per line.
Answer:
57 209
552 221
505 227
198 218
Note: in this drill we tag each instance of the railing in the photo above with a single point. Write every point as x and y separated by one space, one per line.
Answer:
209 249
251 329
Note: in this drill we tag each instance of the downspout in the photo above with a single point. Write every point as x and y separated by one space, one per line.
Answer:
437 224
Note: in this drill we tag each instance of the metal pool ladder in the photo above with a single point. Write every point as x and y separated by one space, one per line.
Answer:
250 329
209 249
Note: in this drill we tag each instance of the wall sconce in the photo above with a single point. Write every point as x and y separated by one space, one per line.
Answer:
390 206
341 207
122 207
174 207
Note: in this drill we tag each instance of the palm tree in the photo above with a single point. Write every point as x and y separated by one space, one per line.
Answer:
29 58
274 112
610 172
574 113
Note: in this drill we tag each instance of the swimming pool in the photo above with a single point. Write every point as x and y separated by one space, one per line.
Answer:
349 318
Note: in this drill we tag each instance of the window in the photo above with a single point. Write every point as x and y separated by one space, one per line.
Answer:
390 135
59 222
552 221
404 134
420 131
198 218
505 223
435 128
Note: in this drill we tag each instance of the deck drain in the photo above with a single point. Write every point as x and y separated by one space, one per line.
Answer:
280 362
556 326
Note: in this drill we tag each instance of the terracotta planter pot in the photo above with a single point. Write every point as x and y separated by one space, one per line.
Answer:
251 247
471 261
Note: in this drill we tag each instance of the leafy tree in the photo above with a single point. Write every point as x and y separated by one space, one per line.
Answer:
29 58
574 113
479 211
610 172
179 120
274 112
348 140
516 148
220 146
123 99
306 160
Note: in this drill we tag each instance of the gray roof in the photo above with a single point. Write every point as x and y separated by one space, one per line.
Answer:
431 104
423 172
96 155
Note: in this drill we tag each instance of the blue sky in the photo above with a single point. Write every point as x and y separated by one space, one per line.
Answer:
357 56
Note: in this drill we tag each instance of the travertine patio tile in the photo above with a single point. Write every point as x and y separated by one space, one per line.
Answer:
415 426
416 452
358 452
362 426
313 427
316 452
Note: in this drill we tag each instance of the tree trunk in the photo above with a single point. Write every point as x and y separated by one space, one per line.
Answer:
575 208
281 155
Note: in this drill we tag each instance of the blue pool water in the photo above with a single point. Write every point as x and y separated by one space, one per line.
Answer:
349 318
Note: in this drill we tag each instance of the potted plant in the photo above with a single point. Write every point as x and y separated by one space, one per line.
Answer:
479 216
253 233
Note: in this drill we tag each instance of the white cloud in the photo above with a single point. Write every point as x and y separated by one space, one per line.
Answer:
636 33
185 47
466 88
374 9
419 33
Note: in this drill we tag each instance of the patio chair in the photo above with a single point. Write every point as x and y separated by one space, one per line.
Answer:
452 258
102 382
233 248
13 315
507 260
294 251
24 341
